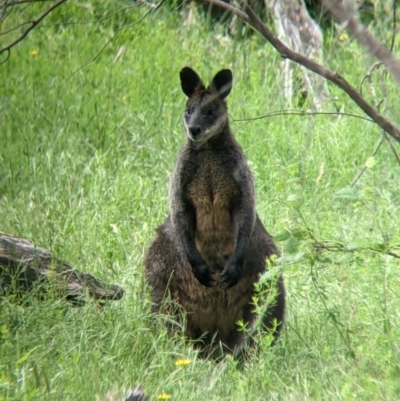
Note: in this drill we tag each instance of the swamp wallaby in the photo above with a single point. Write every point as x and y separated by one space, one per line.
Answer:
213 247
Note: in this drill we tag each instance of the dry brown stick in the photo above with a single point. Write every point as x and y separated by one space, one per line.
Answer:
348 17
252 19
33 23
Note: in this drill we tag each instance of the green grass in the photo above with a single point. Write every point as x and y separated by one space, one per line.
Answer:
85 158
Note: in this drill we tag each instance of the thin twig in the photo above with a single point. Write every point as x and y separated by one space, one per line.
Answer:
364 169
368 78
394 255
369 74
300 113
331 315
7 57
319 246
396 155
394 26
14 28
33 24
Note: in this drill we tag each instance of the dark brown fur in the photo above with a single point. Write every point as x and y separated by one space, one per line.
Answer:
213 247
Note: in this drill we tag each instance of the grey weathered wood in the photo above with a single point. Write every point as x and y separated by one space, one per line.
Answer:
136 394
24 266
301 33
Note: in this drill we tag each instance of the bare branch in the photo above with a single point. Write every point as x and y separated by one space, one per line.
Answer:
348 17
33 23
301 113
338 247
252 19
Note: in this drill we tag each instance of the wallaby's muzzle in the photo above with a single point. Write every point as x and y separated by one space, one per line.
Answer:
194 131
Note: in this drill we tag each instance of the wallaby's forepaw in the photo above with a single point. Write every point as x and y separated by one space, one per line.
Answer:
230 275
204 275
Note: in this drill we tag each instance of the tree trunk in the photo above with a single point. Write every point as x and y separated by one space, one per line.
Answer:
302 34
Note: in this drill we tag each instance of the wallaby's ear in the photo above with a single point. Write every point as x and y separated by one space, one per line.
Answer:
222 83
190 81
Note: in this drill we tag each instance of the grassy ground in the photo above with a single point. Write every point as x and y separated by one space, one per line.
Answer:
85 158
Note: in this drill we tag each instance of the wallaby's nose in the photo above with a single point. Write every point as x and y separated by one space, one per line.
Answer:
195 131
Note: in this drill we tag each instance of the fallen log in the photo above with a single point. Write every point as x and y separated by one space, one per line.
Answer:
26 267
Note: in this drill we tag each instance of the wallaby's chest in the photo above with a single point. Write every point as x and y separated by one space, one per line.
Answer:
213 193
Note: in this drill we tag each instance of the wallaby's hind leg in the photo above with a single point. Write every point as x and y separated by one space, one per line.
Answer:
275 314
261 248
159 261
279 310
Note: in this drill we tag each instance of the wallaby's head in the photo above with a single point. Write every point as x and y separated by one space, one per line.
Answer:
206 112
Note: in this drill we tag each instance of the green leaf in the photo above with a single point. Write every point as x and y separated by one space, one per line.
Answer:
297 256
299 234
286 234
348 193
270 274
351 246
380 247
292 245
294 198
25 357
296 180
282 236
370 162
323 259
290 258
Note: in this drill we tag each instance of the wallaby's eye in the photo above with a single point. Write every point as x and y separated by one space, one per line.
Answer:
189 110
210 110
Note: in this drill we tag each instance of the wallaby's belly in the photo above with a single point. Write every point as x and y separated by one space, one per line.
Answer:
214 233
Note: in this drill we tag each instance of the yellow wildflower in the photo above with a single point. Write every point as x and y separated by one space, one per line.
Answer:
34 52
182 362
164 396
343 37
